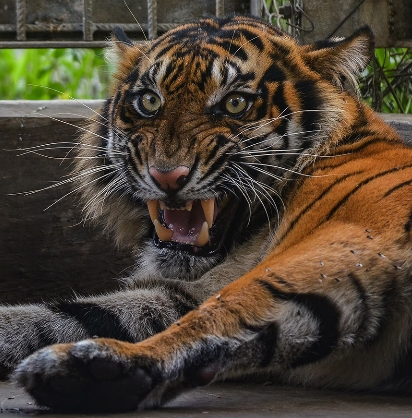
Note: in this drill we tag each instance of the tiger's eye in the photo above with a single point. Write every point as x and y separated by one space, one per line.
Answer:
235 104
150 102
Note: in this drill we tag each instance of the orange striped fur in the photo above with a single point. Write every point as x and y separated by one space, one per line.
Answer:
271 215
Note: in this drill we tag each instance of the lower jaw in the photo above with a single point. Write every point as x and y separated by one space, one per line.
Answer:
205 251
184 265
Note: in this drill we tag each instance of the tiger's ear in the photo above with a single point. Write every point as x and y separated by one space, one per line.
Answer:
123 54
121 37
341 60
120 44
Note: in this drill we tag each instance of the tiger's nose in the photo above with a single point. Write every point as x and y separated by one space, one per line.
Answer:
171 180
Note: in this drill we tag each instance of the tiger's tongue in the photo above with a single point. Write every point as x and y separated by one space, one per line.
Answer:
186 225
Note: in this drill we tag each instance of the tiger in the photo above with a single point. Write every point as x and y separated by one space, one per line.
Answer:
269 210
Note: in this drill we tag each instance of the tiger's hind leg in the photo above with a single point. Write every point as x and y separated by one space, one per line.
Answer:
320 314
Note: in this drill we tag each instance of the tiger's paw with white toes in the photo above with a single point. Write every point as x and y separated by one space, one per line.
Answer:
100 376
84 377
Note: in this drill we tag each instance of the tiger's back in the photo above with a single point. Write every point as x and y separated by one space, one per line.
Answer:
271 215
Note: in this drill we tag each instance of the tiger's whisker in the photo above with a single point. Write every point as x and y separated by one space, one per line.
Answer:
138 23
75 190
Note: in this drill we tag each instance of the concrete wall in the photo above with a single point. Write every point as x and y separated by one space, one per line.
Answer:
51 253
389 19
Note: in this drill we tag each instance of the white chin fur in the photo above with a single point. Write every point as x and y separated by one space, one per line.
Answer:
155 262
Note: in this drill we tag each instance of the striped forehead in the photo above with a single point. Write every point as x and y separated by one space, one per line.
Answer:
199 68
228 55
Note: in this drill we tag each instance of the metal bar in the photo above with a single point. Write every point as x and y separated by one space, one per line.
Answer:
152 18
78 27
134 27
256 8
52 44
220 8
45 27
51 27
87 20
21 20
8 28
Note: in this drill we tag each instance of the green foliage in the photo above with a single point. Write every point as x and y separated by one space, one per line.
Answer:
43 74
387 83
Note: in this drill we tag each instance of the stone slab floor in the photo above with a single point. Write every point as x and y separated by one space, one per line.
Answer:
241 400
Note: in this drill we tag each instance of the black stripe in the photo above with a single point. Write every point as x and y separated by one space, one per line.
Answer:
103 128
203 76
161 54
252 328
398 186
132 78
310 100
95 319
323 311
256 41
358 129
390 298
155 320
114 103
278 100
364 312
280 52
360 146
280 280
131 166
135 141
315 201
238 51
357 136
273 74
408 225
44 338
183 301
220 141
267 342
173 72
216 166
358 187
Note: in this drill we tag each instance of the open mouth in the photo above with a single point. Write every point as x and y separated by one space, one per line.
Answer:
191 225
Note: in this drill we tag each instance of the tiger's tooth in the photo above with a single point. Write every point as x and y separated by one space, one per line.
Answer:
189 205
162 232
203 237
209 210
162 205
152 205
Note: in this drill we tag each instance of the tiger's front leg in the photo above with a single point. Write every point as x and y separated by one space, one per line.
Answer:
309 316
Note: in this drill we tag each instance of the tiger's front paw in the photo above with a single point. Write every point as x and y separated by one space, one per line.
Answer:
89 376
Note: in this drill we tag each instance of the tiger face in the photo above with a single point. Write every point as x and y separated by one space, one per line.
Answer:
204 127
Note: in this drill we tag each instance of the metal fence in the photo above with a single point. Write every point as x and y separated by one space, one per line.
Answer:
87 23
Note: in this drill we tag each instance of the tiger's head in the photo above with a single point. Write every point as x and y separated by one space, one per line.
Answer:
189 155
